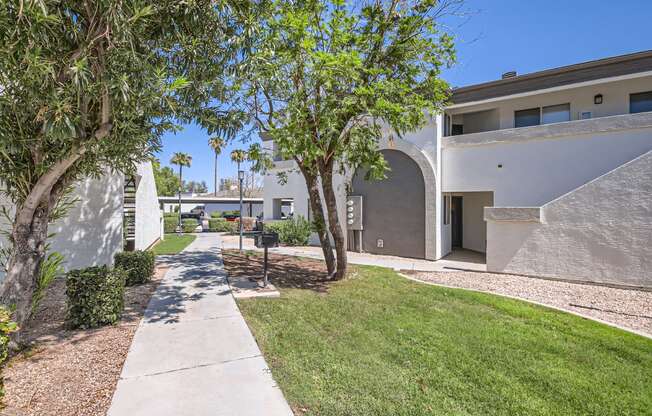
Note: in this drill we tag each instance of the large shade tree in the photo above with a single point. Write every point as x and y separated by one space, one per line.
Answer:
87 87
326 78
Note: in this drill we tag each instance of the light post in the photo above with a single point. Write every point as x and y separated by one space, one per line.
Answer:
240 179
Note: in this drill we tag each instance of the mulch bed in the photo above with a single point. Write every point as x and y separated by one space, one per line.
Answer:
72 372
285 272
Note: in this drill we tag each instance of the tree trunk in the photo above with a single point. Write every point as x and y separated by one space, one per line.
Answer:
326 173
28 251
320 222
215 178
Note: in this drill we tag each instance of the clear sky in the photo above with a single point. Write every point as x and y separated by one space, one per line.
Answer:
493 37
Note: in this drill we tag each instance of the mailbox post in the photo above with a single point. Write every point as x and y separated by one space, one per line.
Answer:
265 240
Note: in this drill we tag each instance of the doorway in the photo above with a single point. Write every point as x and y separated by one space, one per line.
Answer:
456 221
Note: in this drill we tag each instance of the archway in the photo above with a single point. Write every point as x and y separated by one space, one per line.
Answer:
394 209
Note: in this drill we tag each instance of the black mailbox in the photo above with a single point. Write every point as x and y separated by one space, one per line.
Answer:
266 240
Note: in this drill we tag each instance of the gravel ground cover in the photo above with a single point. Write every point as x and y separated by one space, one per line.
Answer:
72 373
628 308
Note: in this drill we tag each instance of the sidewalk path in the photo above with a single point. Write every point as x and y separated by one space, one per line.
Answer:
193 353
458 260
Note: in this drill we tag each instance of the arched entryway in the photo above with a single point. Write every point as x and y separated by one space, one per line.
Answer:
394 209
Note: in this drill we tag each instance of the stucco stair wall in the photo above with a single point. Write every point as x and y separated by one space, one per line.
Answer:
599 232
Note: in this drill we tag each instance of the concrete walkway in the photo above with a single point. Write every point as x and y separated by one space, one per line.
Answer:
193 353
456 261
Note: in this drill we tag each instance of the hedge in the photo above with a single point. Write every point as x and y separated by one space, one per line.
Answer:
170 224
138 264
188 225
292 232
95 296
221 225
216 214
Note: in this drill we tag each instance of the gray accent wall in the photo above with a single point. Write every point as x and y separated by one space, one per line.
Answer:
394 208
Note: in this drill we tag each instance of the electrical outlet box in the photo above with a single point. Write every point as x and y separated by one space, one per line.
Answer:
380 243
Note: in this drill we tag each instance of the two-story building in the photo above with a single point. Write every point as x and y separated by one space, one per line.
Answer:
548 173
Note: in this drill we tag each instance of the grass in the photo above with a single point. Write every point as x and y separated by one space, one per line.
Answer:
378 344
173 243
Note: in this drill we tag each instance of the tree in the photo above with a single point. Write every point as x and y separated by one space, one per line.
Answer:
326 77
181 159
195 187
91 86
217 144
167 183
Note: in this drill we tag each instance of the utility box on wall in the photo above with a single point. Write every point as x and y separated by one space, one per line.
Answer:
354 213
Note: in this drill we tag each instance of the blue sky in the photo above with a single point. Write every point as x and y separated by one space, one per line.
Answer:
494 37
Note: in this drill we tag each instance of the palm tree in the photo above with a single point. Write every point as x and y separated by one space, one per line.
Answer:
217 144
239 156
181 159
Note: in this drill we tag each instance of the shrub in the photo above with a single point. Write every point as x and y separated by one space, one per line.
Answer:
170 224
95 296
6 328
248 223
188 225
292 232
216 214
138 264
221 225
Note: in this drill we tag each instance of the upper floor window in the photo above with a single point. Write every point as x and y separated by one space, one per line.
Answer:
529 117
640 102
534 116
555 113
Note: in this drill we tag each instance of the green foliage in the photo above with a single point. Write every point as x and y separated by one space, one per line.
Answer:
221 225
232 212
181 159
195 187
51 268
6 328
170 223
167 183
138 264
217 214
188 225
173 243
415 349
291 232
95 296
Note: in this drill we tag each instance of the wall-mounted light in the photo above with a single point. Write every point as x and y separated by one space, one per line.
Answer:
597 99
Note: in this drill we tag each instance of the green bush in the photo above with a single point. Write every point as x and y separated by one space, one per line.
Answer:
216 214
138 264
170 224
188 225
292 232
221 225
6 328
95 296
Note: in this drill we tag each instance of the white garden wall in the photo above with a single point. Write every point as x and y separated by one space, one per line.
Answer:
148 213
600 232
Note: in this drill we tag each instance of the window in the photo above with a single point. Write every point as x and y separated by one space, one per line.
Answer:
529 117
555 113
447 218
640 102
457 130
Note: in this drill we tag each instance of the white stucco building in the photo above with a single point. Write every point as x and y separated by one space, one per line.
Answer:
549 174
93 231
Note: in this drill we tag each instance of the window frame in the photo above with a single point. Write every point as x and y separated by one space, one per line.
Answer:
531 110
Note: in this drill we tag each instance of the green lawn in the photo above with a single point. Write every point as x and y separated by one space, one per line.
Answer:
173 243
378 344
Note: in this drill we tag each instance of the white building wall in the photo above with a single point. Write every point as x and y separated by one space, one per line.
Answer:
536 171
600 232
148 213
91 233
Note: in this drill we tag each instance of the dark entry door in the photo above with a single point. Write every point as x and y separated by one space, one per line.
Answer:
456 221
